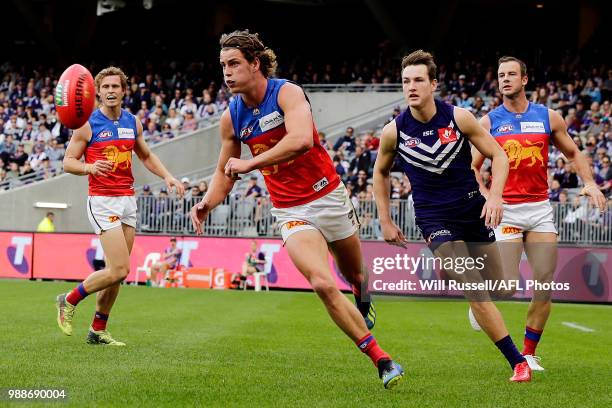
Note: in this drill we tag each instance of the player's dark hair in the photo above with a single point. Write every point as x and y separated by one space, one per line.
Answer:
251 47
111 71
508 58
420 57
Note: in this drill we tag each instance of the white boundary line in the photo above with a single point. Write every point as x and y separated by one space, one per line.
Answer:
577 327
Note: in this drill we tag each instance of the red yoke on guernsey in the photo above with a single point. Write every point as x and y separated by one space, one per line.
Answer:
112 140
525 138
297 182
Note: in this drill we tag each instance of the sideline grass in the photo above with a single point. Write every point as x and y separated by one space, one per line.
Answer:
231 348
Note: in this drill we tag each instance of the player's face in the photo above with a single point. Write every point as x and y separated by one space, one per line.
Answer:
110 92
237 71
418 89
510 80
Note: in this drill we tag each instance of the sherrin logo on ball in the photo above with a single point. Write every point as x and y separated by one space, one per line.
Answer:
75 96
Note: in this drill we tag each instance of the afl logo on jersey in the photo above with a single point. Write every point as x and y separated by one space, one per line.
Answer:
412 142
246 132
505 128
105 134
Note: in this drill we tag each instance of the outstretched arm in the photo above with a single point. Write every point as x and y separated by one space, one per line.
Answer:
382 188
562 140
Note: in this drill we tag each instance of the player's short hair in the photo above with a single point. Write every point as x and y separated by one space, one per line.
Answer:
508 58
420 57
111 71
252 47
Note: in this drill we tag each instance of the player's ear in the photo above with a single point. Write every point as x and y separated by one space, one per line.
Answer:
255 65
524 80
434 85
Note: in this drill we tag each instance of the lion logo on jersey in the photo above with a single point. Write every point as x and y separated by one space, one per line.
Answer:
260 148
118 157
517 152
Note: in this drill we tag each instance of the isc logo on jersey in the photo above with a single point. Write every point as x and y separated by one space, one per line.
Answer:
125 133
412 142
321 184
271 121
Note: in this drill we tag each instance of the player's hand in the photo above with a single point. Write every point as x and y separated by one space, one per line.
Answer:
393 235
198 214
100 168
235 166
172 182
492 211
595 196
484 192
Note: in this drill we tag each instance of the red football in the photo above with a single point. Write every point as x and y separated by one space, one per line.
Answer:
75 96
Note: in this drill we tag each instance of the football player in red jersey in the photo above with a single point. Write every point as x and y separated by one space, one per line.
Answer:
107 140
525 130
310 203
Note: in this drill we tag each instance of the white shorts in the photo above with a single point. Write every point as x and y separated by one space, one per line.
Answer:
520 218
109 212
333 215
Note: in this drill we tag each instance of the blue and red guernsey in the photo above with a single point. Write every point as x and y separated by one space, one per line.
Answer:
525 138
112 140
296 182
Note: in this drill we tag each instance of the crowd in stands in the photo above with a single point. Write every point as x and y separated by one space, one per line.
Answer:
32 141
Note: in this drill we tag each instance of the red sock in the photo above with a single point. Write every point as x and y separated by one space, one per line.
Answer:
99 321
79 293
367 344
532 337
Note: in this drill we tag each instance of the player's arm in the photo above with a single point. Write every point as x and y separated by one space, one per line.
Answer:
220 184
297 141
478 158
382 185
153 164
488 147
75 150
562 140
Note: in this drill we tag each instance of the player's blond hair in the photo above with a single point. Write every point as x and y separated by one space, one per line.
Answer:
111 71
420 57
251 47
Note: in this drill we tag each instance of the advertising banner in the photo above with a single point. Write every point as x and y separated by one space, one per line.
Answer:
15 255
582 274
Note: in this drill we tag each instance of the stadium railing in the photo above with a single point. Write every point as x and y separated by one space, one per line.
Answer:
241 217
353 87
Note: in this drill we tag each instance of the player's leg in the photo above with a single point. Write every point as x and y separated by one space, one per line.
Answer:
485 311
541 250
308 251
510 251
105 299
348 257
116 251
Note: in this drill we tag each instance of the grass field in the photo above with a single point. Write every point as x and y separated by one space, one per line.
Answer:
228 348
